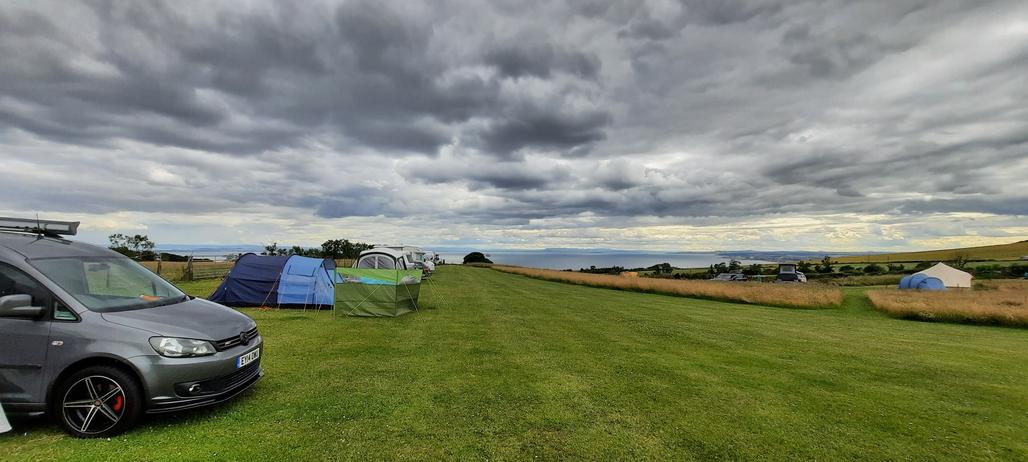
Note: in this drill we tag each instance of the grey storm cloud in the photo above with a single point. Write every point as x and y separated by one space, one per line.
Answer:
506 112
247 81
516 60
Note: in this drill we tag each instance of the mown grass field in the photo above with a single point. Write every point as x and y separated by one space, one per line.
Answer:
509 367
1002 252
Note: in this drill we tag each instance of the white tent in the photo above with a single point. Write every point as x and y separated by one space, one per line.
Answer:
950 277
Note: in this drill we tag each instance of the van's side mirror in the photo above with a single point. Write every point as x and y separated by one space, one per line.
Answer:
19 306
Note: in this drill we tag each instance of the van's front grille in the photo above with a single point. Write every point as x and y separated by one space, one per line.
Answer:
241 339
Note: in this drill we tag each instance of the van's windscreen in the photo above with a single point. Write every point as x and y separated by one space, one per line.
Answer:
109 283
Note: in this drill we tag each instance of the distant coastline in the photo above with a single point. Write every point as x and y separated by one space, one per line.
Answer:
555 258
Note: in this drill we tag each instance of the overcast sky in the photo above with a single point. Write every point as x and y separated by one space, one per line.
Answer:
663 125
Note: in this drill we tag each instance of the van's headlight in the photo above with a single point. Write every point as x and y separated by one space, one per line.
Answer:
181 347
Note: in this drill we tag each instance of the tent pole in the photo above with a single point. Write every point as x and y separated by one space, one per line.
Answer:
434 290
316 305
411 297
273 286
306 298
398 280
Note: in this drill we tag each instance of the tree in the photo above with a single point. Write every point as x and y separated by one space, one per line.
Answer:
734 265
304 251
752 270
332 248
960 261
476 257
922 266
342 248
804 267
826 265
662 268
139 246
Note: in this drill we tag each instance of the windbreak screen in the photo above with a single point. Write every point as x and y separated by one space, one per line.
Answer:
377 292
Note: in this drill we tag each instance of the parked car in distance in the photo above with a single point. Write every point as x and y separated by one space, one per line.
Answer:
730 277
96 340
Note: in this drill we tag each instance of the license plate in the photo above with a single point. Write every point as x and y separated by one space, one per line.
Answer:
248 358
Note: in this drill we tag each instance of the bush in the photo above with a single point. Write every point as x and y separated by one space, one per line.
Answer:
873 269
1014 271
476 257
690 275
859 280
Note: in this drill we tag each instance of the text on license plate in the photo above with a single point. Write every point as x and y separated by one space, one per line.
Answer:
248 358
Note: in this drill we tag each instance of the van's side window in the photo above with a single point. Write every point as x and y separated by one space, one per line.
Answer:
14 281
63 313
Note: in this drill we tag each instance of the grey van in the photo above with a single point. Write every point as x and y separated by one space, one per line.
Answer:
97 340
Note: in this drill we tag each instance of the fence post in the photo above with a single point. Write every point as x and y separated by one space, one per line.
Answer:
188 275
158 263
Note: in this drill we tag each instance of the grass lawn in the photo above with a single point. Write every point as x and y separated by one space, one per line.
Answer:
508 367
1012 251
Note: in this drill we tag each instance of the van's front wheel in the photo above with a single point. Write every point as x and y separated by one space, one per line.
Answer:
98 402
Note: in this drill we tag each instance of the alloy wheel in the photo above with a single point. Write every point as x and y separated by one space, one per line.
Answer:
94 404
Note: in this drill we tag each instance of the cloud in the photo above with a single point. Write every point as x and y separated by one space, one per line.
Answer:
263 78
826 124
518 60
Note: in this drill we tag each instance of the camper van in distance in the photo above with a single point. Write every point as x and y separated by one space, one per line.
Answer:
414 257
787 272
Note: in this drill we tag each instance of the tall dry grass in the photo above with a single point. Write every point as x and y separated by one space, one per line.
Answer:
787 295
1002 303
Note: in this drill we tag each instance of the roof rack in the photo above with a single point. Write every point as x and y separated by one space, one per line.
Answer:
45 227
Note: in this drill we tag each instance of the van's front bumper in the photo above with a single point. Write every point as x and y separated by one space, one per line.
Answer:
175 384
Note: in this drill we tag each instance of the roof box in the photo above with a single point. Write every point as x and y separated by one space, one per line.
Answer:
46 227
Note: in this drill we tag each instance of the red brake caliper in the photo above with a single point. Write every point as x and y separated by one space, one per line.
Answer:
118 402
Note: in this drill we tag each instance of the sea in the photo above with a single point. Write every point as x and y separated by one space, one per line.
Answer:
210 252
550 258
561 260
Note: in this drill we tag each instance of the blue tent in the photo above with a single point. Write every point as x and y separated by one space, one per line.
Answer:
921 282
258 280
931 283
